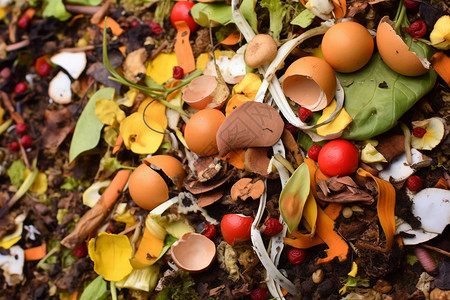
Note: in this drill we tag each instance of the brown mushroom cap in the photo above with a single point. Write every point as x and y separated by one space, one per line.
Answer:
260 50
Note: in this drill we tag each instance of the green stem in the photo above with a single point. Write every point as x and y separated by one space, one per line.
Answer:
400 16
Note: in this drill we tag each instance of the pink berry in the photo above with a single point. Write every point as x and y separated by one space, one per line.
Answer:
273 227
296 256
419 132
313 152
23 22
414 183
258 294
80 251
177 72
20 87
13 146
304 114
211 231
26 141
21 128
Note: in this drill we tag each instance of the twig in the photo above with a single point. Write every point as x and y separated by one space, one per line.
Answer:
101 13
129 229
78 49
438 250
159 49
82 9
17 46
24 155
10 107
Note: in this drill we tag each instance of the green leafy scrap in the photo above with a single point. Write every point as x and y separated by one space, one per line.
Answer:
56 9
277 12
304 18
16 172
96 290
247 9
204 13
89 128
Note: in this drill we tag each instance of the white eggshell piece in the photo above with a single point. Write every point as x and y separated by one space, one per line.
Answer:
193 252
432 206
232 70
73 62
59 88
399 169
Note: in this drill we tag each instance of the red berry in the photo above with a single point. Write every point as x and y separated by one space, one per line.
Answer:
273 227
304 114
411 4
21 128
313 152
23 22
20 87
134 23
419 132
417 29
211 231
80 251
26 141
292 129
258 294
296 256
177 72
414 183
13 146
42 66
156 28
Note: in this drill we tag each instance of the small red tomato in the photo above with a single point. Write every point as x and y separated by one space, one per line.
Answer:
13 146
273 227
23 22
296 256
21 128
314 151
210 231
26 141
180 12
42 66
338 157
235 228
20 87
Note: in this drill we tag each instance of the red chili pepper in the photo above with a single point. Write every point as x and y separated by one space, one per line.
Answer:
417 29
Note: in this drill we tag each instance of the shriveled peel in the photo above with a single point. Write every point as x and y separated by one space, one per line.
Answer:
385 209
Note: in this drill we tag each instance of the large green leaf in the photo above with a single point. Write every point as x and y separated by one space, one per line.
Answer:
277 11
376 96
88 129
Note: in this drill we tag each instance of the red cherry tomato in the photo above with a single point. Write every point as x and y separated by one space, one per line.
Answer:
235 228
42 66
180 12
338 157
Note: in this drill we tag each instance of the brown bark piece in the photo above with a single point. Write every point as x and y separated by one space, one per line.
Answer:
256 161
391 146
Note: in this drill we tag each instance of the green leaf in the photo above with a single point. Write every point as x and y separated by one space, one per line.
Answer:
96 290
376 109
247 9
294 195
277 12
88 129
15 172
304 18
204 13
85 2
56 9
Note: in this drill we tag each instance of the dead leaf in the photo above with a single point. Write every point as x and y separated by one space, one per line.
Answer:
134 66
59 125
245 188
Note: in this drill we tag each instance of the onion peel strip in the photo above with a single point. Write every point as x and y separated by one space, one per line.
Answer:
385 209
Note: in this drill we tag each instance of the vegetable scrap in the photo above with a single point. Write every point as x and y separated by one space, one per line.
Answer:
224 150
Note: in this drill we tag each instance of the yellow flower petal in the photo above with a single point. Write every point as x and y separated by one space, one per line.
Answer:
248 86
155 111
139 138
370 155
354 270
40 184
160 68
338 124
111 255
108 112
440 36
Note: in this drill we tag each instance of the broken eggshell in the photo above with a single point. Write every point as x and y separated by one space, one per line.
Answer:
258 125
310 82
59 88
232 69
73 62
193 253
206 92
395 53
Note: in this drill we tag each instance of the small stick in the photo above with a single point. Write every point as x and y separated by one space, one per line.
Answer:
438 250
159 49
17 46
10 107
101 13
24 155
129 229
78 49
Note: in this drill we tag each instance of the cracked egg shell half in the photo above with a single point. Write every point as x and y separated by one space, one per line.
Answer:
395 53
310 82
148 184
193 253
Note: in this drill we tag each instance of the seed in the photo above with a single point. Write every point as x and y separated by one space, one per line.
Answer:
347 212
318 276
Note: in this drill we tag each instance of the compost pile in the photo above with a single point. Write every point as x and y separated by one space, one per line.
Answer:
306 159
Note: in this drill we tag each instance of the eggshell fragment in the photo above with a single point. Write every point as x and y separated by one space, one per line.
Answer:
73 62
252 124
205 91
395 53
310 82
59 88
193 253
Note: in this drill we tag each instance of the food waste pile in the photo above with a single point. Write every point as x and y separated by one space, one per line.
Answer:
224 149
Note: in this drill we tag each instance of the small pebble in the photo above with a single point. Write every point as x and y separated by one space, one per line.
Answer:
318 276
347 212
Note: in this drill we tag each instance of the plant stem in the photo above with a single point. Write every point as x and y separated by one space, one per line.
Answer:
400 16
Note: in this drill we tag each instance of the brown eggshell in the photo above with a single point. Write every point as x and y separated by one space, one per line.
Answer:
310 82
395 53
171 166
251 124
193 252
147 188
205 91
